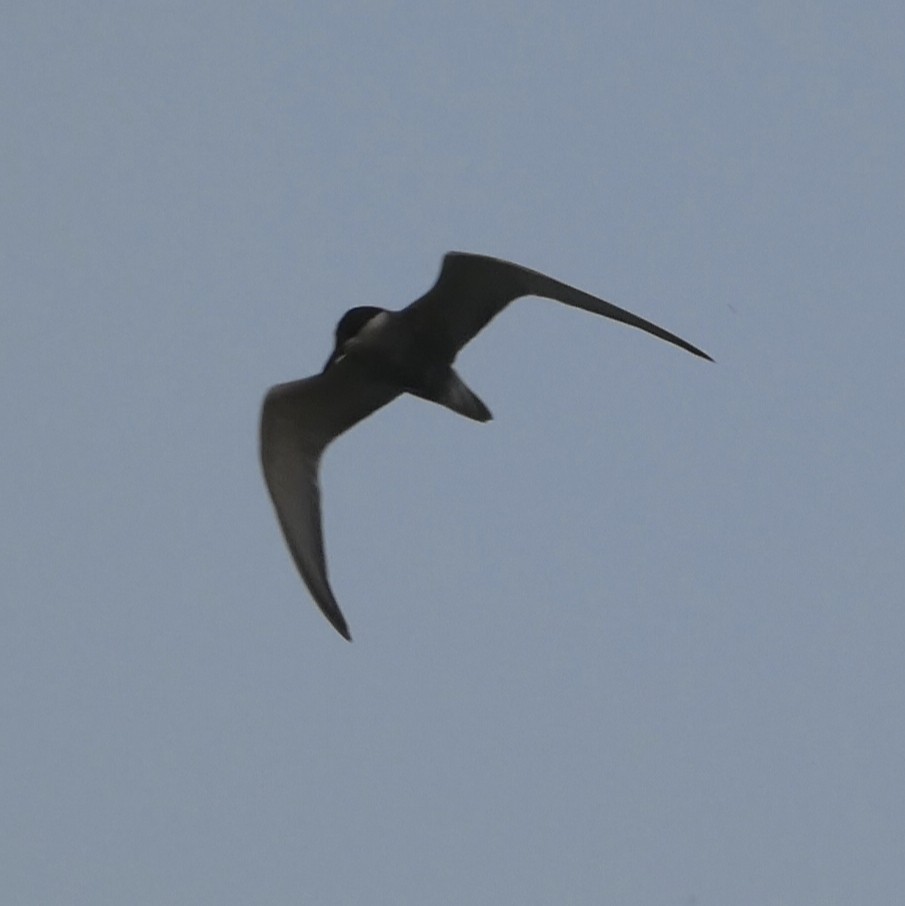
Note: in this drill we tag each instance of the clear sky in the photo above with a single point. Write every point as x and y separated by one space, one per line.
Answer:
638 640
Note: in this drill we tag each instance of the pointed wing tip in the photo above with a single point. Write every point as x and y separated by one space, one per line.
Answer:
337 621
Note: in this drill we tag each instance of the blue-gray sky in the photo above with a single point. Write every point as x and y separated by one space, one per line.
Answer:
638 640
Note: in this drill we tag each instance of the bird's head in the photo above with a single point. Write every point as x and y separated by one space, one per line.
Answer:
350 325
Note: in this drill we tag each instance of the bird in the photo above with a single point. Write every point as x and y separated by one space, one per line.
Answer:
377 356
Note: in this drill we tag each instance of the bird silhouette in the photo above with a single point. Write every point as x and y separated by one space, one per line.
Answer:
377 356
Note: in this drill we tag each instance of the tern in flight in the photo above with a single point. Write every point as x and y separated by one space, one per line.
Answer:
379 355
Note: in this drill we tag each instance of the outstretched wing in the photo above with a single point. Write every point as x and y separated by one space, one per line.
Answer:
472 289
298 421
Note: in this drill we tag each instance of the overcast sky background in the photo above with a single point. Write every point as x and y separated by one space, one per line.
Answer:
638 640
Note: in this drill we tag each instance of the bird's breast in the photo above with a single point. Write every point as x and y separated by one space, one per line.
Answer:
395 351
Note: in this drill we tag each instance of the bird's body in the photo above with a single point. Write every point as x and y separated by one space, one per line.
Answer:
378 355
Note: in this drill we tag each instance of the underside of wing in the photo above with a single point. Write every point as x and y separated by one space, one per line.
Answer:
472 289
298 421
